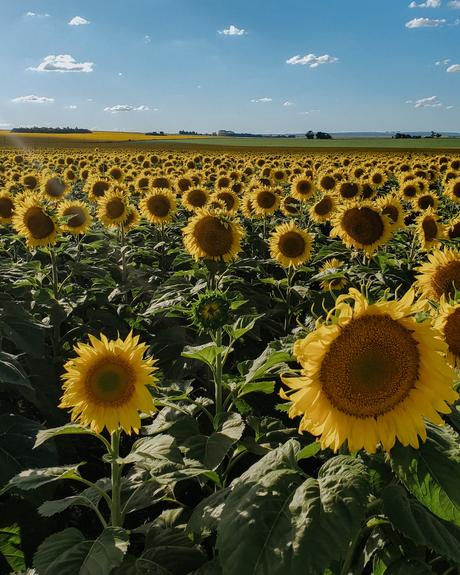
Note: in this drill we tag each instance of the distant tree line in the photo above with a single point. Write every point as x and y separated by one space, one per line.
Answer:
310 135
43 130
155 133
400 135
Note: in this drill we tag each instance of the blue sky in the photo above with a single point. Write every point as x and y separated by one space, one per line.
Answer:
205 65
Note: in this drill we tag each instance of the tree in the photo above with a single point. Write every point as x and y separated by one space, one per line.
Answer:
310 135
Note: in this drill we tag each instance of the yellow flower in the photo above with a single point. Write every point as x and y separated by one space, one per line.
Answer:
158 206
290 245
213 236
302 188
6 207
113 208
323 209
371 376
448 323
265 201
195 198
429 229
440 275
53 188
106 385
33 222
78 218
331 267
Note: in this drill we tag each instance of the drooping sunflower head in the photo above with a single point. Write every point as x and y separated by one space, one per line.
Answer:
290 206
113 208
323 210
290 245
429 230
77 216
195 198
440 275
32 221
213 236
53 188
6 208
302 188
448 324
362 226
132 219
211 311
371 376
107 384
265 201
333 278
158 206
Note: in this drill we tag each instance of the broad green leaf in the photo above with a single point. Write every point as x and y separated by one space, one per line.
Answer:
68 429
10 547
267 387
243 325
207 513
206 353
416 523
431 472
35 478
17 436
268 362
87 498
309 451
12 376
327 513
69 553
159 447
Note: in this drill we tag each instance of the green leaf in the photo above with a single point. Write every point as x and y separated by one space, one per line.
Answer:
13 377
206 353
309 451
160 447
327 513
207 513
17 436
268 362
10 547
243 325
87 498
68 429
35 478
68 553
431 472
267 387
416 523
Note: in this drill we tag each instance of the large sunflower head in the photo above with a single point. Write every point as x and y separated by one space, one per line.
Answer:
425 201
362 226
158 206
6 208
106 384
32 221
348 190
290 245
371 375
195 199
77 216
213 236
440 275
448 323
265 201
113 208
97 188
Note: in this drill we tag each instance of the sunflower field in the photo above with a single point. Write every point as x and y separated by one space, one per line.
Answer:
229 363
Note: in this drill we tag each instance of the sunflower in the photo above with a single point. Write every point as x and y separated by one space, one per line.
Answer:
331 268
31 181
440 275
425 202
323 209
429 230
106 385
6 207
411 188
78 218
33 222
97 189
230 200
391 206
302 188
448 324
213 236
362 226
116 174
113 208
132 218
265 201
158 206
290 245
53 188
327 182
195 198
453 229
370 376
290 206
348 190
452 189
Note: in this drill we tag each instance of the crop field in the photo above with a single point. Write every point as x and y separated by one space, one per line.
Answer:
229 361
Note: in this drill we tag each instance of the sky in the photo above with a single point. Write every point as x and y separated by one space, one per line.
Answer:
260 66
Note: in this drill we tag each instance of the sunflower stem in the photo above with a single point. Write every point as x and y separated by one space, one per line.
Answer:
355 546
218 372
124 263
290 272
116 516
54 273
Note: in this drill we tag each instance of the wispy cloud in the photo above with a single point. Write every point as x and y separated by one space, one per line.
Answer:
287 104
36 15
78 21
442 62
425 23
147 39
32 100
126 108
62 63
454 4
426 4
233 31
453 69
311 60
261 100
429 102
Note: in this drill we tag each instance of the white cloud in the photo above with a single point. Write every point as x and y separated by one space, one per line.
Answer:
426 4
35 15
32 100
454 4
311 60
263 100
449 107
454 68
62 63
442 62
425 23
287 104
430 102
78 21
71 107
147 39
233 31
126 108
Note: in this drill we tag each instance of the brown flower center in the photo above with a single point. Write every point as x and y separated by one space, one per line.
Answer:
430 229
159 206
39 224
54 188
291 244
266 199
6 208
364 225
213 236
446 279
452 332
